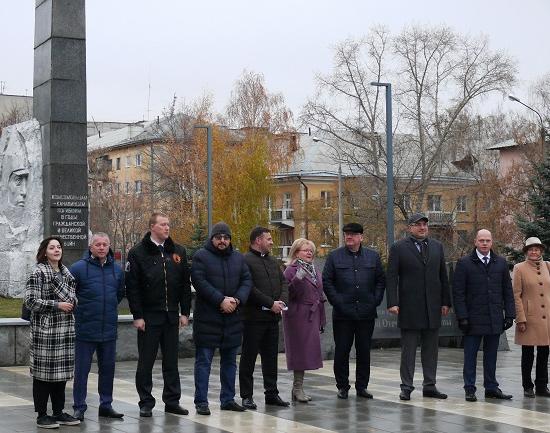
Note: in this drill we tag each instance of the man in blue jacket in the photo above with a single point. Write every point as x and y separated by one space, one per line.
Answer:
354 282
222 281
484 305
99 289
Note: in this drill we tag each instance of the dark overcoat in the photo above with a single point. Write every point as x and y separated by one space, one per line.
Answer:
268 285
216 274
52 330
418 287
354 283
303 320
483 294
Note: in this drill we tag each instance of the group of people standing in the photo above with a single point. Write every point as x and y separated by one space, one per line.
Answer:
241 298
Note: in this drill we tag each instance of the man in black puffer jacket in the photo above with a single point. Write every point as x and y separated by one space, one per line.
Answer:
159 295
222 282
262 314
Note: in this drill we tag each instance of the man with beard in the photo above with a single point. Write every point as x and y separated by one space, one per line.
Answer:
222 282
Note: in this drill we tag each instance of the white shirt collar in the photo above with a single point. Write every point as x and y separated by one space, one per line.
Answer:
481 255
156 243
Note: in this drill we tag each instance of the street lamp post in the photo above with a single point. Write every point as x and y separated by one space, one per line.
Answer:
389 163
209 172
542 129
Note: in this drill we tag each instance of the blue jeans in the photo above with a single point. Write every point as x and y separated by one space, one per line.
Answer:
84 351
228 373
471 347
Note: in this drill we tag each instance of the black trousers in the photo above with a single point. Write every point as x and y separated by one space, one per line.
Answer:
160 329
42 390
541 369
345 331
263 338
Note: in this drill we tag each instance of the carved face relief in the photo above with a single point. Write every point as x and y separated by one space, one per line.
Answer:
17 187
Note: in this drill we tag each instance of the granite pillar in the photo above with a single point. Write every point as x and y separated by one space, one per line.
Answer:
60 108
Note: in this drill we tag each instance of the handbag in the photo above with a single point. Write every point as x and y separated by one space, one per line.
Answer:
25 313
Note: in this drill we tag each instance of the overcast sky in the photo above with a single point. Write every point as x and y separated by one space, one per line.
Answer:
191 47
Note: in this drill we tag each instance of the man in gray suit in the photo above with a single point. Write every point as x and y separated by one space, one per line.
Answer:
418 292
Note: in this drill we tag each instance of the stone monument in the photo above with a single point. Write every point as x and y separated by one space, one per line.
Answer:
20 204
59 105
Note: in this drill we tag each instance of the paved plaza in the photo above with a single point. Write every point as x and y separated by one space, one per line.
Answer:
385 413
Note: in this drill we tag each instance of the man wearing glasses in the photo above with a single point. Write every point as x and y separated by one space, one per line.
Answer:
418 292
222 283
354 282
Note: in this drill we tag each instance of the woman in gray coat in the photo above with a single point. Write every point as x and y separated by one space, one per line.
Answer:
50 296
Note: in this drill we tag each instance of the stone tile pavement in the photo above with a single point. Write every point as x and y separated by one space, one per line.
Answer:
385 413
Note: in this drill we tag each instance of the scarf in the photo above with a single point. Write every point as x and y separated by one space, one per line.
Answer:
309 268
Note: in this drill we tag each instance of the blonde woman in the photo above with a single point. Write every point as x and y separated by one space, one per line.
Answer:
305 318
531 284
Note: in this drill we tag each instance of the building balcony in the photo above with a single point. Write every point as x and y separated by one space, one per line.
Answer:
440 218
282 217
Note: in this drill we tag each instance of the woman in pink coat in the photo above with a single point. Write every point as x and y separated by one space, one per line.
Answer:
532 296
305 318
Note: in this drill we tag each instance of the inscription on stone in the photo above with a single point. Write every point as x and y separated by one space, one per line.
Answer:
70 218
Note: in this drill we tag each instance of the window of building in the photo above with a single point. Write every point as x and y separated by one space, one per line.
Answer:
287 200
326 199
117 187
117 164
138 186
434 203
138 159
128 160
461 203
127 187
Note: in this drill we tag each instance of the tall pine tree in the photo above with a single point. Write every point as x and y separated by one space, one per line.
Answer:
538 224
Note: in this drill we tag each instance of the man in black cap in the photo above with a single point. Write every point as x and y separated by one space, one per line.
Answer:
222 283
354 282
418 292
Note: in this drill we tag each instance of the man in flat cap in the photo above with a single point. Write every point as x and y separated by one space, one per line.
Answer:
418 292
354 282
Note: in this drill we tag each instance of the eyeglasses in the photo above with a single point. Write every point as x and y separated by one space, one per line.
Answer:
307 251
222 237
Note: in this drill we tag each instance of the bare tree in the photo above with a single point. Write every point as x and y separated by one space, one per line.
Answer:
252 106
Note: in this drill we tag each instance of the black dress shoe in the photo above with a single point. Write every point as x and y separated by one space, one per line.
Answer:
529 393
434 393
108 412
177 410
203 409
498 394
342 393
470 396
275 400
542 392
363 393
405 394
249 403
145 411
232 405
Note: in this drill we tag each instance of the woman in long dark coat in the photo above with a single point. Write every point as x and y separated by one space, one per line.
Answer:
50 296
305 317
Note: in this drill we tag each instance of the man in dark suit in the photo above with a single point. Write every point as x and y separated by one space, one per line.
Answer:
484 305
418 292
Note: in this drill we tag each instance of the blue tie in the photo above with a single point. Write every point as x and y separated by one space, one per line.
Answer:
486 260
161 248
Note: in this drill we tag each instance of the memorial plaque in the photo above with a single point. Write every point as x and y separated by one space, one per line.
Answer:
69 219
